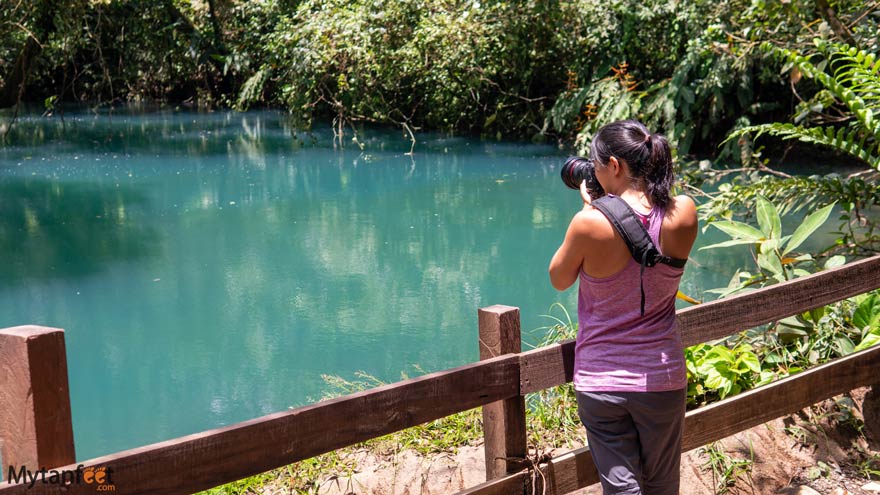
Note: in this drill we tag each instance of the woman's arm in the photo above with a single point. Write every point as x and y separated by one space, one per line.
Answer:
566 263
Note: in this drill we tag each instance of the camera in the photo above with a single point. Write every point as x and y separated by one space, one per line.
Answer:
578 169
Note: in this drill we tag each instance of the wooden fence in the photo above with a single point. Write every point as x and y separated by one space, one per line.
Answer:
35 426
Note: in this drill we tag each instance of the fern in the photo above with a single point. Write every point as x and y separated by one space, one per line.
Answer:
840 139
854 80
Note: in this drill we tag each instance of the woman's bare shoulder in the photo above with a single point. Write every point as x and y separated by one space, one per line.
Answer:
682 212
594 224
680 226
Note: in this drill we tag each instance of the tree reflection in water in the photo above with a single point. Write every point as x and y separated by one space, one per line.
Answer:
54 229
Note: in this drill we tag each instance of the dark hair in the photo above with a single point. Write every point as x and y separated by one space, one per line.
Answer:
647 155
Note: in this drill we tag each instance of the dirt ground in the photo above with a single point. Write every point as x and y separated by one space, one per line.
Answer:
830 448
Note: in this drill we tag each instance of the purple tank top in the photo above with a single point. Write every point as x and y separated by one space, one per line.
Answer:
619 350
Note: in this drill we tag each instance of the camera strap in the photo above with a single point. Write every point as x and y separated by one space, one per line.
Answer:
627 224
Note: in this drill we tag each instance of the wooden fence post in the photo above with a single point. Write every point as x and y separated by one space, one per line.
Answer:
504 422
35 424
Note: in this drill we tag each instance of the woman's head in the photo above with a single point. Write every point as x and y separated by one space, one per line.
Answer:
646 155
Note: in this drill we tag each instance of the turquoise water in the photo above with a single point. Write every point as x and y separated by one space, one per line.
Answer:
209 268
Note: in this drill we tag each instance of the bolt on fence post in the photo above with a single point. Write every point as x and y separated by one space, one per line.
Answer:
504 422
35 424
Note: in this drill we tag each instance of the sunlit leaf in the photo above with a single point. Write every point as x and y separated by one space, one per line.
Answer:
732 242
870 340
867 313
770 245
770 262
751 361
835 261
766 377
768 218
812 222
844 345
739 230
716 381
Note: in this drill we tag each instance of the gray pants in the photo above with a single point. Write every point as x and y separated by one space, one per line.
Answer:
635 439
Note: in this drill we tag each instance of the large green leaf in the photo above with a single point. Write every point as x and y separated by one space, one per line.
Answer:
844 345
870 340
717 381
739 230
867 314
768 219
750 360
807 227
732 242
770 262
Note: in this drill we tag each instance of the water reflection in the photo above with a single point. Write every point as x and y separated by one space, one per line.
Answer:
165 132
53 229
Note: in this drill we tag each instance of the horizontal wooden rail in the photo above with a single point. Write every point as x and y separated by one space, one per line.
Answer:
213 457
552 365
575 469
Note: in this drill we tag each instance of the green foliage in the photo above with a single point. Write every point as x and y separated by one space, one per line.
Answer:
854 82
810 338
856 195
677 76
773 252
795 342
433 63
610 99
714 78
531 68
716 371
866 318
552 417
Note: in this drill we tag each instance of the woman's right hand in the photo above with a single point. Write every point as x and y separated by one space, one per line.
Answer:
584 194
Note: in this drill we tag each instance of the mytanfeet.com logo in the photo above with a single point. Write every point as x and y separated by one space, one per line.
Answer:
99 477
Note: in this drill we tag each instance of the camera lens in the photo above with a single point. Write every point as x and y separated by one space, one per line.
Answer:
578 169
573 171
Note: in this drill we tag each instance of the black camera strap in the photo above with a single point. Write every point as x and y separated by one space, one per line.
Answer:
636 237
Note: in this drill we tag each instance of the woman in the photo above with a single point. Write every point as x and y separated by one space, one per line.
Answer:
629 371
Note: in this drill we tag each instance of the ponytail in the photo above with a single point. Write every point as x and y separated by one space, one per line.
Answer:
647 155
658 170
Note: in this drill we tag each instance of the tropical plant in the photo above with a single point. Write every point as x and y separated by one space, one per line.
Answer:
774 254
866 318
716 371
852 81
809 338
